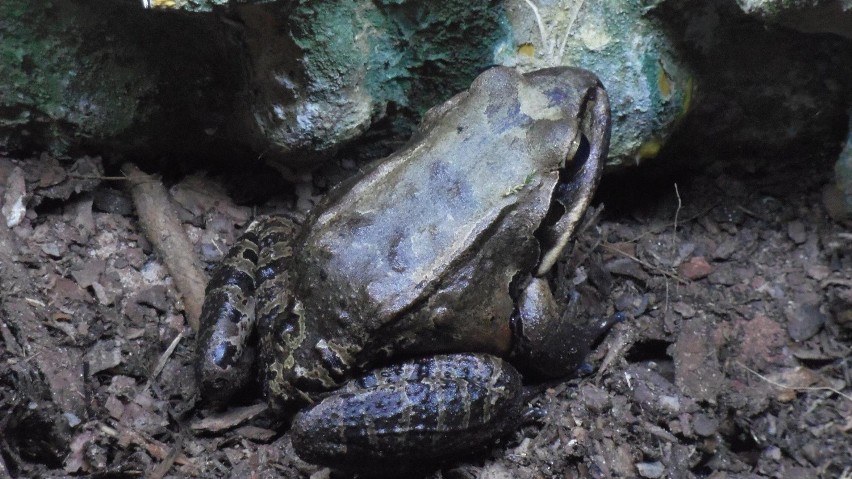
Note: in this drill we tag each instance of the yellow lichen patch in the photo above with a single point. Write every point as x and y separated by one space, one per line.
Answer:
162 3
649 149
664 83
527 50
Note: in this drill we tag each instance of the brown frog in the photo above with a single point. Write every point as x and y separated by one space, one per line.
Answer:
390 309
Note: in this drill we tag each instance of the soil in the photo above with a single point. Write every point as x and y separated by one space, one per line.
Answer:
733 362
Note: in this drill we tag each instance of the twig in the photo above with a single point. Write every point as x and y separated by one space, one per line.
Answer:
155 448
538 21
666 225
674 245
164 358
645 264
163 468
98 177
11 343
161 226
674 230
549 46
35 302
794 388
568 30
4 471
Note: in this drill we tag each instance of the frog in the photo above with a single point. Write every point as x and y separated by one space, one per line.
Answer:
403 315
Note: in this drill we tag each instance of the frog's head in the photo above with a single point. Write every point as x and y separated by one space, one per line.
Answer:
576 95
572 121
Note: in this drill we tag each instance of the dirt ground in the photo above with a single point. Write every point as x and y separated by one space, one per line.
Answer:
734 362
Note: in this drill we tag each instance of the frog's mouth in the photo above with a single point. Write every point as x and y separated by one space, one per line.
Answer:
578 179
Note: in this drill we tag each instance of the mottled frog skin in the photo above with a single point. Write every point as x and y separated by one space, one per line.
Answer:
396 309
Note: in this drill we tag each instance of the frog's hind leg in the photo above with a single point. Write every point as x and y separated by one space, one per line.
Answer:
280 319
414 414
224 358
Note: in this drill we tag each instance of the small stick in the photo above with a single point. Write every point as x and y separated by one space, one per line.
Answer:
163 468
571 22
161 226
645 264
795 388
674 230
163 360
544 42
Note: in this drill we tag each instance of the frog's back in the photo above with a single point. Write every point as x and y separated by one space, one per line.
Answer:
387 242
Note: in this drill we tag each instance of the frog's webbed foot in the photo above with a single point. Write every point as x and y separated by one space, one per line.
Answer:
412 413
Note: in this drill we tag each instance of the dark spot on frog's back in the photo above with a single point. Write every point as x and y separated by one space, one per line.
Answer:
444 178
505 115
438 171
395 256
352 223
556 95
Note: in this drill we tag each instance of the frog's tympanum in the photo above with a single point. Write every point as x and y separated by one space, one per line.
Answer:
396 309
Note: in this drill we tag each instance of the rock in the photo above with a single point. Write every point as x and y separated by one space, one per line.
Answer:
839 203
823 16
804 322
103 355
651 470
111 200
15 191
796 232
697 370
704 425
596 399
58 69
648 82
724 275
623 266
684 309
696 267
726 249
818 271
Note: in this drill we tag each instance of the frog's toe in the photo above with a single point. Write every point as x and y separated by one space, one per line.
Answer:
600 327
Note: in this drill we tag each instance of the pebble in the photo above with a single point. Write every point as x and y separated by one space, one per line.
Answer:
651 470
726 249
818 271
683 309
796 232
704 425
804 322
696 268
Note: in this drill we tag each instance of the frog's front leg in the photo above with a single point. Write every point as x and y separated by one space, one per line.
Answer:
546 345
416 413
243 297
